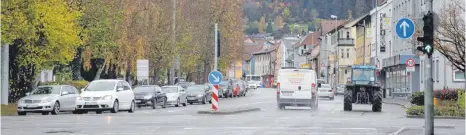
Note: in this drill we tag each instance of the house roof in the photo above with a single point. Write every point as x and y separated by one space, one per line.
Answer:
315 51
290 41
311 39
248 50
355 21
328 25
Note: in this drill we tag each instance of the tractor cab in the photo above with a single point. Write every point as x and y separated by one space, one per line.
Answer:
362 75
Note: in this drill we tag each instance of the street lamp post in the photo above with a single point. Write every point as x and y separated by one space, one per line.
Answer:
335 65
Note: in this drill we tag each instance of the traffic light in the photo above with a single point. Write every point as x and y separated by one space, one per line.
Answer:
428 39
218 44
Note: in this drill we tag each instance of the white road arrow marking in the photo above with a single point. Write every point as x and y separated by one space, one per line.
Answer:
216 79
404 25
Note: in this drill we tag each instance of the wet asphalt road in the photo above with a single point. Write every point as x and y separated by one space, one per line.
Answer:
329 119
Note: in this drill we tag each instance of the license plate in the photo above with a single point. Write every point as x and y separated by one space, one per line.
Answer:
138 101
287 94
31 105
91 103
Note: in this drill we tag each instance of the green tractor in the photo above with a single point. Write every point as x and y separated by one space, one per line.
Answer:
363 89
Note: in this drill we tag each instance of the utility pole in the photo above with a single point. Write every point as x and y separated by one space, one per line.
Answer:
172 69
4 83
216 46
376 32
428 99
428 48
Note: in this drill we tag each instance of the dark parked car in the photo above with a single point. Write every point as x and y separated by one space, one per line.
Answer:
199 94
150 95
225 89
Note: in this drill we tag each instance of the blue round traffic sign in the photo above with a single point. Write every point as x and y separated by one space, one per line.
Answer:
405 28
215 77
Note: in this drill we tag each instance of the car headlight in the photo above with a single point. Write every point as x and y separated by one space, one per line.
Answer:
20 101
200 95
47 100
147 96
108 97
79 98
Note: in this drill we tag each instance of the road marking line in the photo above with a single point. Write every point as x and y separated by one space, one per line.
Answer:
398 131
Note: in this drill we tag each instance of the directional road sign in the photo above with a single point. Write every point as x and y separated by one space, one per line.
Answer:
215 77
405 28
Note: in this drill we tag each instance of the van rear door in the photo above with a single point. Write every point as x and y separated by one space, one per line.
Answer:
296 83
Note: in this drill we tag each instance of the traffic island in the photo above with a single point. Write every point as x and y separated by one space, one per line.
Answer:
228 111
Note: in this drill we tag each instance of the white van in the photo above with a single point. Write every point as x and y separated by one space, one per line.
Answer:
254 81
297 87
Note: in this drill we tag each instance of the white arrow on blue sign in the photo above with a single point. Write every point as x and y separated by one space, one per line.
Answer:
215 77
405 28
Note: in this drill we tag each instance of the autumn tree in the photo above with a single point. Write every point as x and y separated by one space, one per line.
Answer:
450 40
261 25
278 22
41 33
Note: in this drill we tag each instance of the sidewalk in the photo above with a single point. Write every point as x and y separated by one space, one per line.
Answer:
397 101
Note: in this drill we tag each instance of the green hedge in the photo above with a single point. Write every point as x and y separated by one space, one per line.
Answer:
78 84
438 111
444 94
461 99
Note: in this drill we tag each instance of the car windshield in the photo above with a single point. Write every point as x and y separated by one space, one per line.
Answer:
101 86
47 90
363 76
144 89
196 88
170 89
253 78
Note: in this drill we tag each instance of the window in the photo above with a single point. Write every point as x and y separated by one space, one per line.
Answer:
305 46
347 35
342 53
70 90
126 86
458 75
347 53
346 71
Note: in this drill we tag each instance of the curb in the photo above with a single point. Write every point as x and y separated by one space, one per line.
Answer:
435 117
229 111
402 105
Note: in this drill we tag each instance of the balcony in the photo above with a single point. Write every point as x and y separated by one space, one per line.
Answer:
345 42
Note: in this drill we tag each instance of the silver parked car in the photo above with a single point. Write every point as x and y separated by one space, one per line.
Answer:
340 89
50 98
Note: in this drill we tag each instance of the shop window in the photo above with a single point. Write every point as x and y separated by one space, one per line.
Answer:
458 75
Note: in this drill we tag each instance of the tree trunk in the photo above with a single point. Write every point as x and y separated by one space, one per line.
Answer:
206 71
76 66
99 71
156 77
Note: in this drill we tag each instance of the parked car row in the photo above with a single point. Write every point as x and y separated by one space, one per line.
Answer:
232 88
117 95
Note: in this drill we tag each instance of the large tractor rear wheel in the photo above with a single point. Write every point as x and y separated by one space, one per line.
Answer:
348 100
377 102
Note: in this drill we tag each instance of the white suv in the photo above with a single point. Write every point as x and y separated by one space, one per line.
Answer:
103 95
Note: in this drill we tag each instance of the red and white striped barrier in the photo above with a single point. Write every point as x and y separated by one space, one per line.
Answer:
215 98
